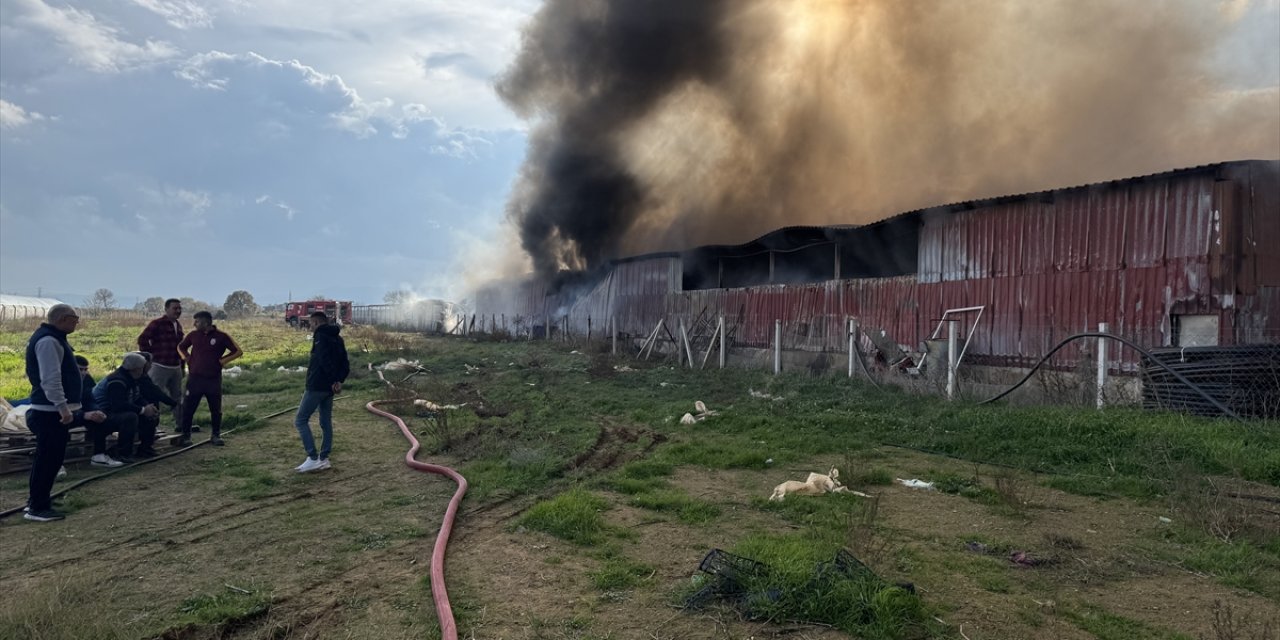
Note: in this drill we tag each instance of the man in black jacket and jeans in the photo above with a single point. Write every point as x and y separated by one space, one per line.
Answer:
326 372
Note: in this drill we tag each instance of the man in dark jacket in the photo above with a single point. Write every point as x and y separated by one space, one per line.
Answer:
128 413
326 372
55 395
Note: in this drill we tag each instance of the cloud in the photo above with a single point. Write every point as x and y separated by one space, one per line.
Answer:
180 14
13 116
447 65
303 89
92 44
168 206
289 212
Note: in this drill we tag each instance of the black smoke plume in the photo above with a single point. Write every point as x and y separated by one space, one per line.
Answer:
662 124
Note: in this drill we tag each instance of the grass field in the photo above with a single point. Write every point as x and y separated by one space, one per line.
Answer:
591 507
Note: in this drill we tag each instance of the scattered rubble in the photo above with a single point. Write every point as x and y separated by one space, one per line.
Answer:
764 396
428 405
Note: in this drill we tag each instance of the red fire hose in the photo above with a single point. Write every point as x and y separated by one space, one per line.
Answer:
448 628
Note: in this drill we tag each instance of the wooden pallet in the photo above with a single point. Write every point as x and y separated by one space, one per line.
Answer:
15 439
15 459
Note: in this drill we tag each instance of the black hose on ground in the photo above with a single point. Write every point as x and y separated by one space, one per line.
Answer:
1129 343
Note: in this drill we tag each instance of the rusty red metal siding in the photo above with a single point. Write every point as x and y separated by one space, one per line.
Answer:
1129 253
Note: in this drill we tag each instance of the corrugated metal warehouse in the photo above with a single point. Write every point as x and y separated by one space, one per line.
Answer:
1189 257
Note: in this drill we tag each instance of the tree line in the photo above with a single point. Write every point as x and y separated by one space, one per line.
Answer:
238 304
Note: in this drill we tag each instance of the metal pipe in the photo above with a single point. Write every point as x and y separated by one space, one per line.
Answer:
951 359
777 346
1102 363
722 350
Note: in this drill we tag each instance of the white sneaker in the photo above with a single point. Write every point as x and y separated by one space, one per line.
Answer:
324 464
309 464
104 460
62 473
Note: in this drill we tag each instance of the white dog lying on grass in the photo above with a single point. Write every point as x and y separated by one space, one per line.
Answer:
815 484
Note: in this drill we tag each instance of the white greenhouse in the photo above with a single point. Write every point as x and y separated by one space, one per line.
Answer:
17 307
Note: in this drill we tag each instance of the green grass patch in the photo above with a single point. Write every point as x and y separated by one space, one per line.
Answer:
876 476
225 606
574 516
522 471
254 481
1105 625
619 573
678 503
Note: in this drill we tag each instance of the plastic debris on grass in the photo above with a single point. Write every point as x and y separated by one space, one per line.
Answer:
427 405
400 364
764 396
1017 556
702 413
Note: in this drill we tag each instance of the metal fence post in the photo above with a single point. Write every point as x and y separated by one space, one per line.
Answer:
722 342
848 326
613 331
777 347
1102 362
951 359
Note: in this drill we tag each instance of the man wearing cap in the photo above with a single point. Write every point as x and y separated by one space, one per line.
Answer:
55 396
160 339
117 395
206 350
144 393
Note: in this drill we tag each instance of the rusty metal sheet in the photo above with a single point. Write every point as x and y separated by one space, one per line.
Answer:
1264 214
1070 236
1189 217
1145 230
1105 221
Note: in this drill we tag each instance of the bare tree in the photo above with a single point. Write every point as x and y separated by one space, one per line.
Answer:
102 300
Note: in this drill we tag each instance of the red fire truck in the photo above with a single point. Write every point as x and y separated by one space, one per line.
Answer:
296 313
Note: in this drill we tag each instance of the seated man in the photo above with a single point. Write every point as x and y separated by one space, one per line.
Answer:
88 415
117 395
149 393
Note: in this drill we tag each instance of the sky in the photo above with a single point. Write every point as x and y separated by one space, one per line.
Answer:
292 149
194 148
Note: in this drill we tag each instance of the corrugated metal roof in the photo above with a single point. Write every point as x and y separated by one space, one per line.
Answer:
761 243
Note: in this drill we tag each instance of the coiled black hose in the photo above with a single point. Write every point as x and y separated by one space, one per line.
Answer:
1129 343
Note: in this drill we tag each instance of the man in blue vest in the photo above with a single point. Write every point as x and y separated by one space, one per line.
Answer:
55 396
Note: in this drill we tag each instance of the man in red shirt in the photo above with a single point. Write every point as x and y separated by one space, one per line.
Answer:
206 350
160 339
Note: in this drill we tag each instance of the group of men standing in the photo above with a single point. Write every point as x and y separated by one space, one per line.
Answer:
126 401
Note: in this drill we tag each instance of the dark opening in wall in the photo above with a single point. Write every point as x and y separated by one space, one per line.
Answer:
797 255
